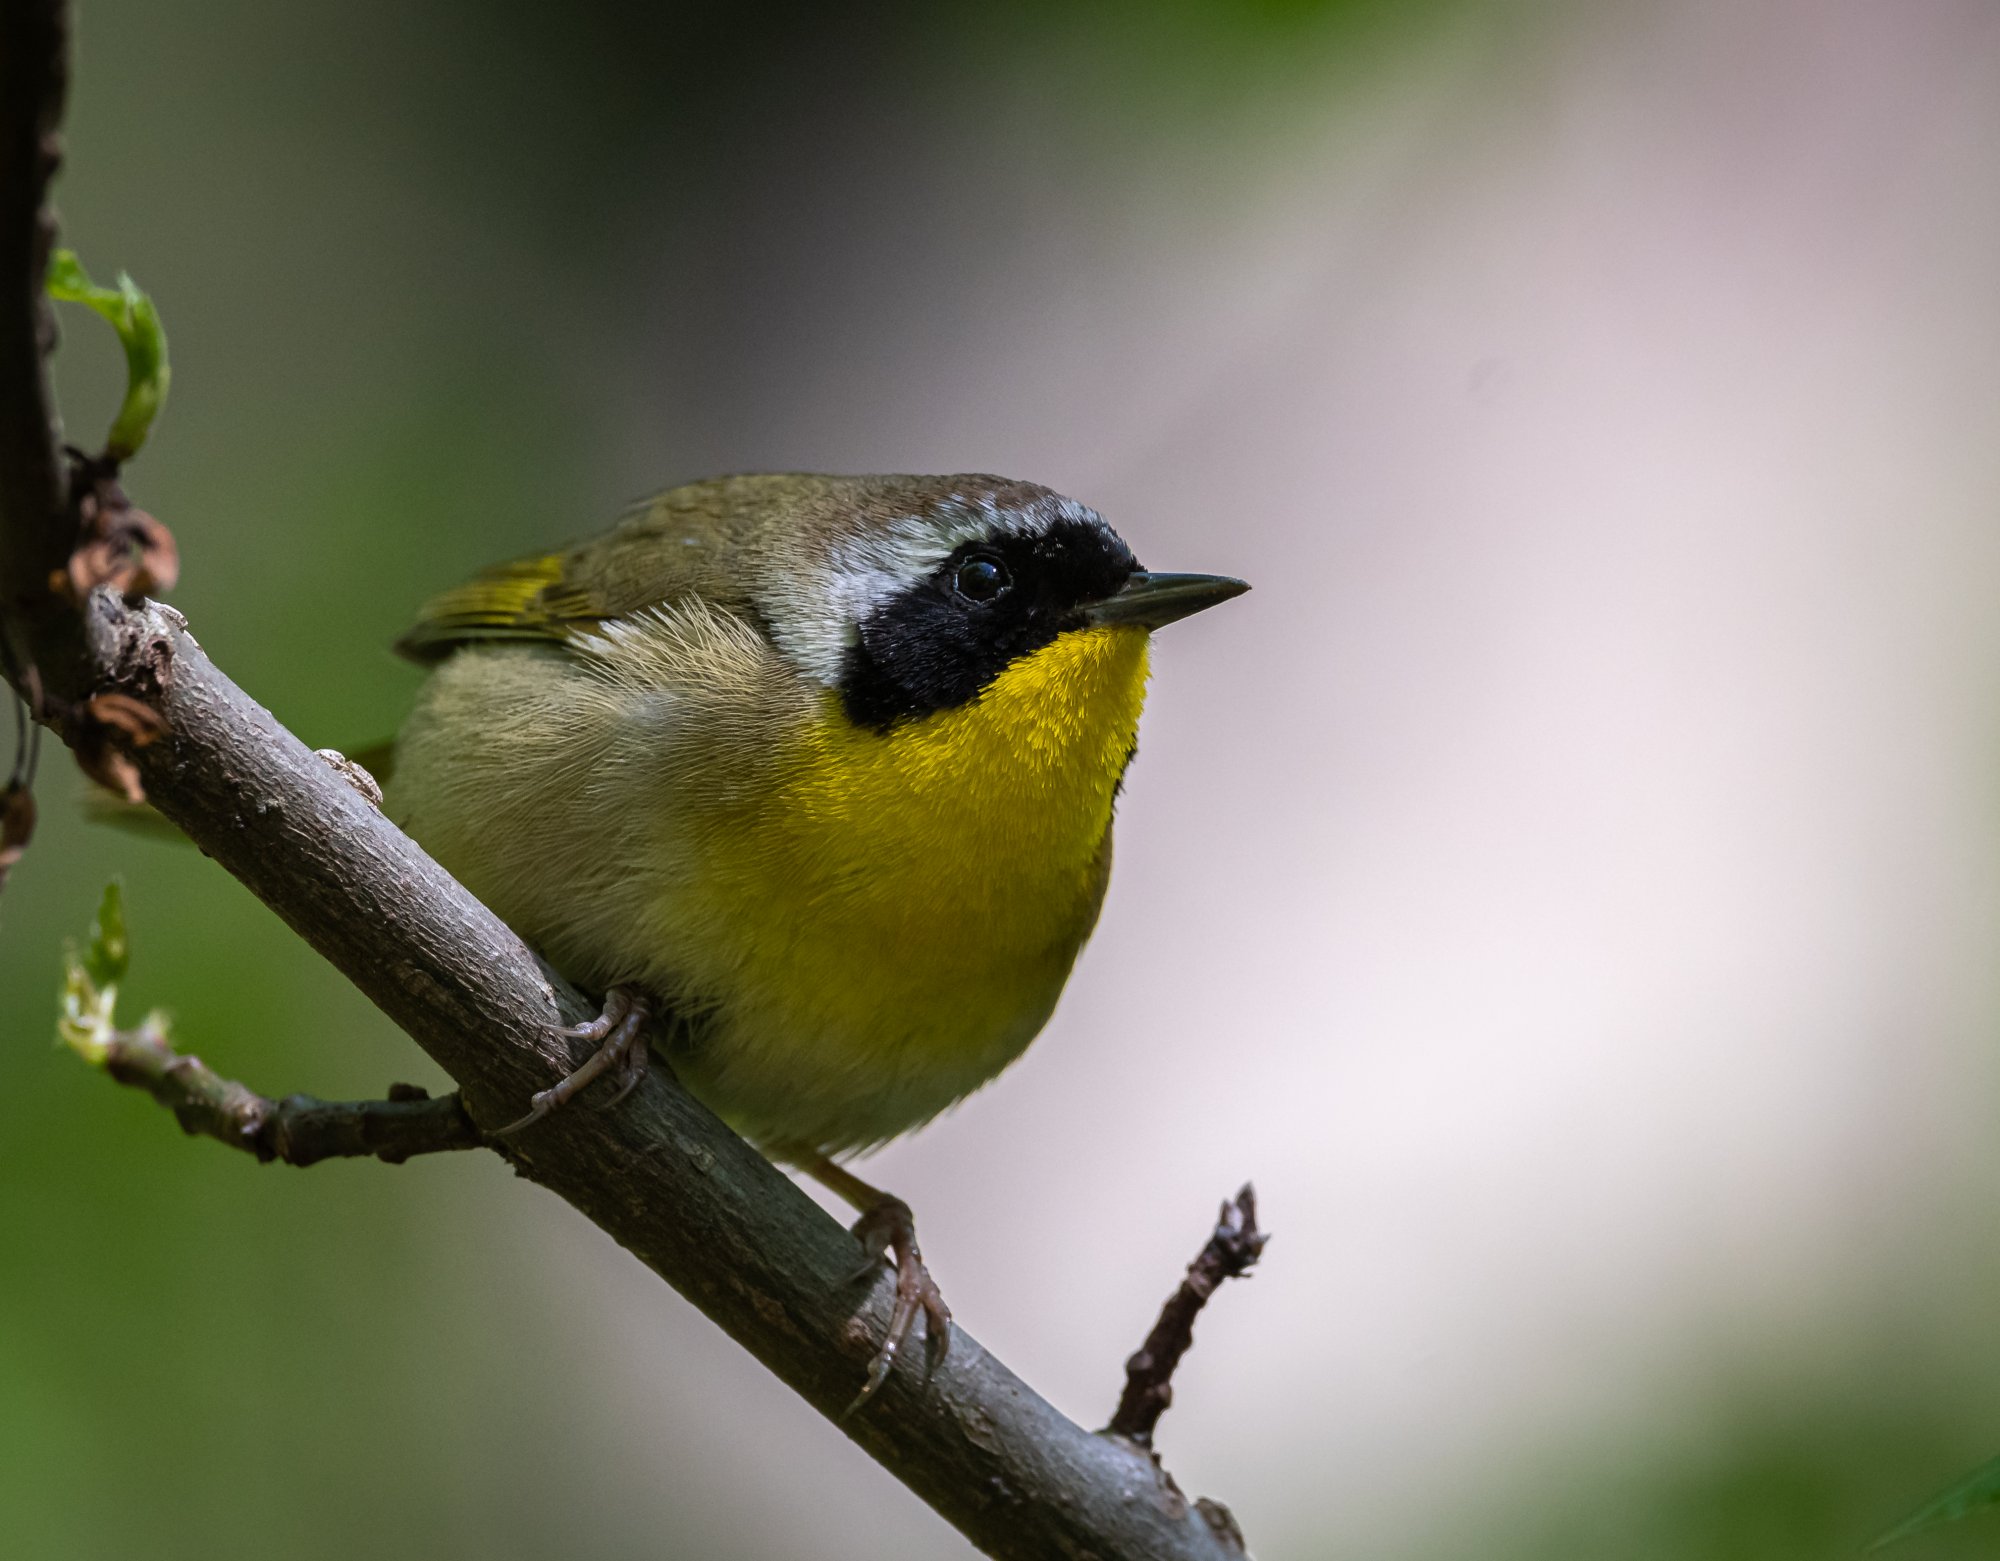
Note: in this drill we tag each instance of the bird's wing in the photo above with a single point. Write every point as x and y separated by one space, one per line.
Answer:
523 599
684 543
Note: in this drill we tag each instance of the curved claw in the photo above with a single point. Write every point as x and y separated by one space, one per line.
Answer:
630 1071
937 1328
888 1229
540 1104
621 1030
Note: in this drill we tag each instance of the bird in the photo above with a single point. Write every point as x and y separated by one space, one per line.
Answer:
812 778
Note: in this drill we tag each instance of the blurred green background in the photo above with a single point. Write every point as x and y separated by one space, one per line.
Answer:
1571 892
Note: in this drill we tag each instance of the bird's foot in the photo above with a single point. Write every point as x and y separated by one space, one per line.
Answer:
621 1032
887 1229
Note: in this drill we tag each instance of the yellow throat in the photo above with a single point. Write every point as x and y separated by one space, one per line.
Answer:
1006 796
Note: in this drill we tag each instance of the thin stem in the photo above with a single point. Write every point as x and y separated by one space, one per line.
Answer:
298 1130
1231 1252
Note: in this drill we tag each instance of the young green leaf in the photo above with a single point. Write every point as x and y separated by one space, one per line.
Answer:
86 1021
137 321
109 952
1978 1490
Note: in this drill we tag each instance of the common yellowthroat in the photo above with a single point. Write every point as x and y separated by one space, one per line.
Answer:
818 772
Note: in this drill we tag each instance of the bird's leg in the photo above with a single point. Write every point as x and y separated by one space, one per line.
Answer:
888 1229
621 1030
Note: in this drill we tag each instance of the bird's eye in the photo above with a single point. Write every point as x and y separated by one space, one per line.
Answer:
982 579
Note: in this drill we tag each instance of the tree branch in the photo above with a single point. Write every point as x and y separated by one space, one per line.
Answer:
34 78
298 1130
1232 1251
659 1174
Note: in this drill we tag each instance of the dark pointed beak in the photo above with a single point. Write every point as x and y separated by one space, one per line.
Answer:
1153 601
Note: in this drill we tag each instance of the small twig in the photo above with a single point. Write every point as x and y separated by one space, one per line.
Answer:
1230 1254
17 797
17 825
298 1130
